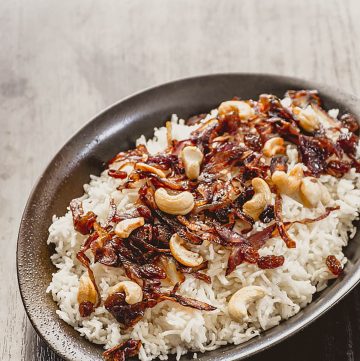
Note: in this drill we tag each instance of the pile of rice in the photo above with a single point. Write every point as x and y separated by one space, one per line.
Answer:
170 328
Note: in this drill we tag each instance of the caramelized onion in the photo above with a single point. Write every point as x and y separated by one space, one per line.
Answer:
190 302
83 223
120 352
270 262
290 243
117 173
328 210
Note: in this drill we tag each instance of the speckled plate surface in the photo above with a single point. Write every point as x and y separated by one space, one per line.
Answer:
116 129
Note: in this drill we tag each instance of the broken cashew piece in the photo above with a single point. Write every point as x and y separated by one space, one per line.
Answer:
274 146
182 254
86 291
242 109
125 227
177 204
307 118
192 158
241 299
288 183
260 199
148 168
312 192
133 292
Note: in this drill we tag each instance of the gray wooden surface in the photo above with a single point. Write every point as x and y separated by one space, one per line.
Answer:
61 62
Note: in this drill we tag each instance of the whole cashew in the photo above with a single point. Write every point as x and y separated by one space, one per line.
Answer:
241 299
242 109
125 227
133 292
182 254
177 204
260 199
288 183
274 146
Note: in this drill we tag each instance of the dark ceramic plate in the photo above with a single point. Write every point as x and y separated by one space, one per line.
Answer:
116 129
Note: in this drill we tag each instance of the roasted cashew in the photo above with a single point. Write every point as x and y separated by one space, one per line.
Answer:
312 192
288 183
125 227
177 204
242 109
192 158
182 254
307 119
241 299
260 199
86 291
133 292
274 146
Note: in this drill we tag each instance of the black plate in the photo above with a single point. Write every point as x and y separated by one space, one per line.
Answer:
116 129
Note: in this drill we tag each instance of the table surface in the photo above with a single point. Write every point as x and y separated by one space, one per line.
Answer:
61 62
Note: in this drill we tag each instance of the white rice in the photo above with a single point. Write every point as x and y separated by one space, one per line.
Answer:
170 328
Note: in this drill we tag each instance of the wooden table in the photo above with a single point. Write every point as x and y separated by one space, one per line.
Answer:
61 62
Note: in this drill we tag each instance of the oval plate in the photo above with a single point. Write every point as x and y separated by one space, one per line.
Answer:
114 130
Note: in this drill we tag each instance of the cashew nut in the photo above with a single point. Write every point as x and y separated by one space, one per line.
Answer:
192 158
325 195
177 204
312 192
241 299
182 254
307 118
260 199
86 291
125 227
148 168
274 146
173 276
242 109
133 292
288 183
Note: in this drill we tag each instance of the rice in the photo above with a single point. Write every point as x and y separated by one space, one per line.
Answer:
169 328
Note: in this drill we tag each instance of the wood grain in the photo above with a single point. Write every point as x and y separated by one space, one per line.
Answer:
61 62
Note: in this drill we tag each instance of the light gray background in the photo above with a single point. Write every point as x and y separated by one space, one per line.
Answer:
62 61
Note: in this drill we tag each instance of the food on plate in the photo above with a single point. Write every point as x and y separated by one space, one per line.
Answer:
216 229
